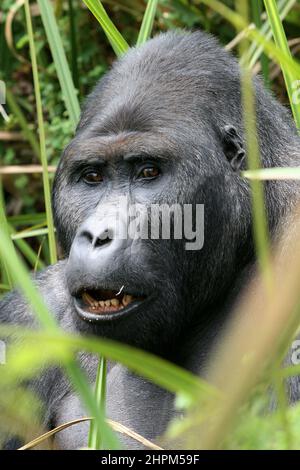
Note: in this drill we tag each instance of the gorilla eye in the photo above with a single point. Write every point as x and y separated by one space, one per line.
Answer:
149 172
92 177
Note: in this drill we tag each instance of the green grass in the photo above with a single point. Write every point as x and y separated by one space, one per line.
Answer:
59 347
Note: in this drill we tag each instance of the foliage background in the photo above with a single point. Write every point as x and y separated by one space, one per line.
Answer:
89 58
89 55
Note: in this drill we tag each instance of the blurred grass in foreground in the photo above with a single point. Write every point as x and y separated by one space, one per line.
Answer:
253 355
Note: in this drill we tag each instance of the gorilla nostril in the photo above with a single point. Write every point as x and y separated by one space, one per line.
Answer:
103 239
87 235
97 239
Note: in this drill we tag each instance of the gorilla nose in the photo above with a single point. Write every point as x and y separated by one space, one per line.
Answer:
96 239
97 250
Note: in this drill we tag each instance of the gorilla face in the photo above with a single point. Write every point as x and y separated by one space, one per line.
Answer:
150 139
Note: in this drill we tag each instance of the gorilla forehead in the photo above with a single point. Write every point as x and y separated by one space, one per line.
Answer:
170 81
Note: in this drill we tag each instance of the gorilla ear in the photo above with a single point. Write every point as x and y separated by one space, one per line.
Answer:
233 147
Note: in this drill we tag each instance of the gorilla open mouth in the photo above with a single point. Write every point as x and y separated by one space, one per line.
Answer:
100 304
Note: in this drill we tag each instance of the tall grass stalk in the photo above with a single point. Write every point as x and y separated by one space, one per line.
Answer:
73 35
281 41
257 10
116 40
260 227
60 61
147 23
255 50
95 440
26 130
44 161
241 25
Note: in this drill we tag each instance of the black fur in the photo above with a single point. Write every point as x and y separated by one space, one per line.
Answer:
176 98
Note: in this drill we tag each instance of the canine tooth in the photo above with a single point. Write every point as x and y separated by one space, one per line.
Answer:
107 303
115 302
127 299
87 298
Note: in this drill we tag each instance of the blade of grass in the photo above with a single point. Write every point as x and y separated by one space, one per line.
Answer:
4 270
116 40
29 234
26 131
4 113
46 184
240 24
147 23
5 287
115 426
257 10
74 65
60 61
27 219
26 250
255 50
95 436
260 227
273 174
161 372
281 41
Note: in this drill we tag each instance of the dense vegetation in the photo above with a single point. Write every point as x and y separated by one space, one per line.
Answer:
24 190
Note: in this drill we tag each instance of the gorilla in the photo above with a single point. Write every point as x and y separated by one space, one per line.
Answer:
163 126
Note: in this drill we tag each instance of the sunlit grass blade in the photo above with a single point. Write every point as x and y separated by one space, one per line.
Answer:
161 372
147 23
73 35
95 435
257 9
273 174
60 61
260 226
44 161
255 50
241 25
281 41
116 40
30 233
5 276
27 251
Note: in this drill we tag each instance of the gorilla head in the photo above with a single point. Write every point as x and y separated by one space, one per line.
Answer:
164 126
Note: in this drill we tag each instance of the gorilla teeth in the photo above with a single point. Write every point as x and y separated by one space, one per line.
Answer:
102 306
88 299
127 299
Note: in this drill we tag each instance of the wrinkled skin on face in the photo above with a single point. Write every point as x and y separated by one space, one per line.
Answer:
164 126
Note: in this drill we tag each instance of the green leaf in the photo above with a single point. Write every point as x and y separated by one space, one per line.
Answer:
60 61
147 23
280 39
116 40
